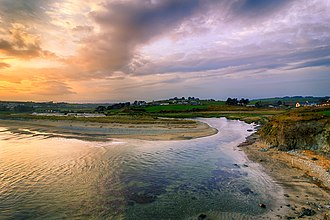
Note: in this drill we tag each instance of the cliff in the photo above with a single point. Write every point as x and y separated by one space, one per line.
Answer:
307 128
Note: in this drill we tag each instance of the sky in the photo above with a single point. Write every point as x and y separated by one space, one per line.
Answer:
126 50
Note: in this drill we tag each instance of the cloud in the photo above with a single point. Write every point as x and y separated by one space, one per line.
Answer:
52 88
257 8
21 44
4 65
124 26
23 10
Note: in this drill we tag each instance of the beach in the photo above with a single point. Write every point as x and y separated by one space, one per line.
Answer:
303 176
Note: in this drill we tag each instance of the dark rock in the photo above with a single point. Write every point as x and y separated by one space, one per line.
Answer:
261 205
249 130
142 198
286 195
244 165
306 212
202 217
249 141
236 165
246 191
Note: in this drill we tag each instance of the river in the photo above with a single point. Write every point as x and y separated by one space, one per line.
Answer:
43 177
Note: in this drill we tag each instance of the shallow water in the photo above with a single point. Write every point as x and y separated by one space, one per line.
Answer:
43 177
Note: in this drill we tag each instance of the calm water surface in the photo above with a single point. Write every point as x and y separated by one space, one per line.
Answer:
44 177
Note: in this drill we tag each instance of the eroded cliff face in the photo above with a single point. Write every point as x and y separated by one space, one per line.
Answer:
298 132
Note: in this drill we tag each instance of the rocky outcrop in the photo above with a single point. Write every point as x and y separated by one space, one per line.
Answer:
297 132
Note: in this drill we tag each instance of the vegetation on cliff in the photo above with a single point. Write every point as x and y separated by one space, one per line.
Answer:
302 128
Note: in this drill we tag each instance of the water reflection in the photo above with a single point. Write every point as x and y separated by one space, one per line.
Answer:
129 179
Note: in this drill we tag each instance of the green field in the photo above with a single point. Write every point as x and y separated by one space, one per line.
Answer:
174 108
326 112
287 100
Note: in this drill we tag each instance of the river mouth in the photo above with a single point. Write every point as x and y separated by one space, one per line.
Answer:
56 178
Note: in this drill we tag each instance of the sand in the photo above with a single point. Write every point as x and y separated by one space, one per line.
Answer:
303 175
105 131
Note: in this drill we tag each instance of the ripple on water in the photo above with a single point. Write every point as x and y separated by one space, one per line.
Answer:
130 179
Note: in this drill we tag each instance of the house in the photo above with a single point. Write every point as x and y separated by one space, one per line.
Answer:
298 105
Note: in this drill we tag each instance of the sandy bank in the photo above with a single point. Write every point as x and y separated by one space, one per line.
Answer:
105 131
303 176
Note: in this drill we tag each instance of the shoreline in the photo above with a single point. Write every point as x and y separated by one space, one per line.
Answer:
104 131
301 174
306 189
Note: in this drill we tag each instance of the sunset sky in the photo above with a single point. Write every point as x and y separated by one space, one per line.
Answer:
116 50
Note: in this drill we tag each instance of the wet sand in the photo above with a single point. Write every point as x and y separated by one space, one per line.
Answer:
303 176
106 131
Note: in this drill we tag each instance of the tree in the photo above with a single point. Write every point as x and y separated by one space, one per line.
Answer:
3 108
231 101
23 108
100 109
244 101
258 104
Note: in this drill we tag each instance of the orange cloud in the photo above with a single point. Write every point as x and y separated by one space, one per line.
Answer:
19 43
4 65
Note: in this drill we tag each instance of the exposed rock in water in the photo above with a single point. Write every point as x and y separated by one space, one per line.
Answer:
249 140
142 198
261 205
246 191
202 217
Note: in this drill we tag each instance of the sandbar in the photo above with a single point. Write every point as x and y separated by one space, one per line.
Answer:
105 131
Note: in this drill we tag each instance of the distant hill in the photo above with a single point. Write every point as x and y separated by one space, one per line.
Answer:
289 100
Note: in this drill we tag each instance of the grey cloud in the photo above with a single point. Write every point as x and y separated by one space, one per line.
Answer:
23 10
23 51
314 63
284 59
83 28
127 25
256 8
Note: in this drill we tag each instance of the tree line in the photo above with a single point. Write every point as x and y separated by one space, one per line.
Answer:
235 101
